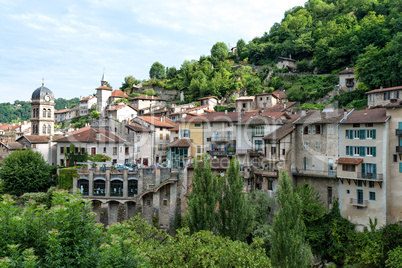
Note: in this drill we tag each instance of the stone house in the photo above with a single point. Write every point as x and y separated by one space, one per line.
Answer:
347 79
289 63
383 96
121 112
9 146
147 104
86 104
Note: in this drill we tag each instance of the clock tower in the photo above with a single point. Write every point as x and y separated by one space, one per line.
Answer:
42 112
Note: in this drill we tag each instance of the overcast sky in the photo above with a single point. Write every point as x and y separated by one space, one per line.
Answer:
69 42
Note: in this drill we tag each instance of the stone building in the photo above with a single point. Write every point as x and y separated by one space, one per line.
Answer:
347 80
288 63
384 96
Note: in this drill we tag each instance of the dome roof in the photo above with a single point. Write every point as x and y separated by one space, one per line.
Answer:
41 92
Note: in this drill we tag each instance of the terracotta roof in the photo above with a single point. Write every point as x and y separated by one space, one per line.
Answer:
137 127
4 126
195 108
147 98
281 132
175 128
87 98
156 121
280 107
78 130
384 89
104 87
118 93
61 111
209 111
350 161
90 135
281 94
13 145
263 115
367 116
181 143
213 117
347 71
36 138
313 116
210 97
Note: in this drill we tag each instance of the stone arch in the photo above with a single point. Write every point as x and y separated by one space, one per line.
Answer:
83 185
132 186
99 186
116 187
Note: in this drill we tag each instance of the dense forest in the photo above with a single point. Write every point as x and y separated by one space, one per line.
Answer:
21 110
324 37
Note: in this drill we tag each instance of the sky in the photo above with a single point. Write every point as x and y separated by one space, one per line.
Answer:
70 43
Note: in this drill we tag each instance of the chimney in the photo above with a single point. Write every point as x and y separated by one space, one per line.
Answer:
303 113
226 111
284 106
380 88
345 113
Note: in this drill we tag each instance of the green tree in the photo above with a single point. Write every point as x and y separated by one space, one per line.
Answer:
149 92
25 171
234 210
171 72
219 51
129 82
157 71
74 157
289 247
253 85
95 115
204 197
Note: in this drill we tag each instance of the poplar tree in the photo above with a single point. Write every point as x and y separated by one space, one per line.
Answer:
203 199
288 245
234 212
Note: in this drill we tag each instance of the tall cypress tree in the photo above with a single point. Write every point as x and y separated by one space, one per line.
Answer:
288 245
203 199
234 213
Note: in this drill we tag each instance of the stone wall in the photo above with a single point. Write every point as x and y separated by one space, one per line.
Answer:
162 93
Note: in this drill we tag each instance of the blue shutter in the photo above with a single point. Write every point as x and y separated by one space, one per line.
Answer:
374 151
374 134
400 125
212 147
351 150
181 133
400 167
347 134
226 147
362 135
375 171
363 168
188 133
347 150
362 151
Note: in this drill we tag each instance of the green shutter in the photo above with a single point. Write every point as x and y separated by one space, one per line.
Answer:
362 151
374 134
362 135
375 171
347 134
253 131
351 150
400 125
181 133
363 168
374 151
400 167
347 150
263 130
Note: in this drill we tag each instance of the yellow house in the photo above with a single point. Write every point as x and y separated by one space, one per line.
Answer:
192 128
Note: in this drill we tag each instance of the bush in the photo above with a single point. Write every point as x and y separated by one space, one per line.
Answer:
66 176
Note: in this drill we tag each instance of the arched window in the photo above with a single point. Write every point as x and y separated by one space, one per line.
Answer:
44 112
44 129
49 129
48 113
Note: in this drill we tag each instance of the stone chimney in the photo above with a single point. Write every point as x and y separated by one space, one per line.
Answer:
303 113
226 111
284 106
380 88
345 113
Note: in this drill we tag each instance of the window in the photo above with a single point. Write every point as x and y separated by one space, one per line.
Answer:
371 184
347 191
114 150
395 158
93 150
386 95
318 145
138 149
360 183
126 150
305 145
44 129
82 150
199 149
258 144
305 163
197 125
371 97
347 150
161 136
372 196
48 113
68 149
356 125
167 136
61 162
76 150
369 133
160 147
244 105
44 112
33 146
396 94
209 139
283 151
317 129
104 149
61 150
270 185
306 130
185 133
356 150
351 168
265 105
369 124
273 150
258 131
138 138
370 151
356 134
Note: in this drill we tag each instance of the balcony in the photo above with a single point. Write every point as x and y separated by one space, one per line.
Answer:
358 202
255 152
221 153
222 138
350 84
329 173
370 176
266 173
398 132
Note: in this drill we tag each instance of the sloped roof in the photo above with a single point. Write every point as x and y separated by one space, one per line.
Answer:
281 132
210 97
263 114
91 136
36 138
348 71
156 121
181 143
246 98
62 111
350 161
137 127
367 116
104 88
384 89
213 117
120 106
314 116
13 145
281 94
87 98
118 93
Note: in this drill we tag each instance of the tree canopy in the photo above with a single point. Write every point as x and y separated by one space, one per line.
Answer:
157 71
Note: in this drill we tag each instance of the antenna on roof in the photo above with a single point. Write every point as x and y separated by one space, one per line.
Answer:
43 81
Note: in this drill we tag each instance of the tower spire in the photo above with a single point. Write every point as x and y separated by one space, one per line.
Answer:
103 81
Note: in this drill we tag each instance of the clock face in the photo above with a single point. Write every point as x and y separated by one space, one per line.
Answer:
47 98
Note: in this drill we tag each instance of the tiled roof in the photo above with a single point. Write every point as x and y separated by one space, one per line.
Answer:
156 121
270 116
281 94
78 130
87 98
91 136
313 116
104 87
350 161
137 127
347 71
281 132
181 143
177 128
13 145
4 126
213 117
248 98
37 138
210 97
196 108
118 93
209 111
147 98
367 116
62 111
384 89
